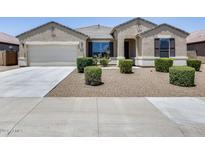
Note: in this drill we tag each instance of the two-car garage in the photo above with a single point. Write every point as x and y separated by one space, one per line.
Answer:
51 44
52 54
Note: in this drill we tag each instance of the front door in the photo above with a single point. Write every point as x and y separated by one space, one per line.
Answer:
126 49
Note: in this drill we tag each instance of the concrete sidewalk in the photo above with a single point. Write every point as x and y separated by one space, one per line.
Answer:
187 112
102 116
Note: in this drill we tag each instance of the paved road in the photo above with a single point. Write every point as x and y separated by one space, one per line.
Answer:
96 116
31 81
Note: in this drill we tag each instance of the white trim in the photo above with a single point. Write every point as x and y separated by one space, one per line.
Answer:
164 36
179 57
52 43
151 57
149 61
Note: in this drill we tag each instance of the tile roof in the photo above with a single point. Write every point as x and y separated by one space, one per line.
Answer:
6 38
197 36
167 25
97 31
52 22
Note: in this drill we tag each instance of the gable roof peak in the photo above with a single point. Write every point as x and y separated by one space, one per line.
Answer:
49 23
166 25
137 19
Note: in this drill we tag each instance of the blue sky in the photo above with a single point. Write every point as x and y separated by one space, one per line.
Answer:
16 25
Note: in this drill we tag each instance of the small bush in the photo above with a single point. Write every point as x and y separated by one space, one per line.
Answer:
182 76
125 65
93 75
196 64
82 62
95 60
163 64
104 62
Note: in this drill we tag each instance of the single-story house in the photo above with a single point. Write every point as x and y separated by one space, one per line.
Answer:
137 39
9 47
196 45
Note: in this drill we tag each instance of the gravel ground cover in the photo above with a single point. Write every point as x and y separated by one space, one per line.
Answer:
144 82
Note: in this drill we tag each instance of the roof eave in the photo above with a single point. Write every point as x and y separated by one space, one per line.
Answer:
138 18
12 43
182 31
113 30
52 22
195 42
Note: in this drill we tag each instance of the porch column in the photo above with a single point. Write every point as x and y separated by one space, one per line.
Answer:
137 51
22 57
137 47
120 49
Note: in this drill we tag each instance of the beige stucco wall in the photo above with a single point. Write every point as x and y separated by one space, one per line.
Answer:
128 31
148 43
47 34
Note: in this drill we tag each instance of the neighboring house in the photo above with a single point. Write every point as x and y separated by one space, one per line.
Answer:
196 45
138 39
9 47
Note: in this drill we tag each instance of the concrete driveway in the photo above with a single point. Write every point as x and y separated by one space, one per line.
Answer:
31 81
102 116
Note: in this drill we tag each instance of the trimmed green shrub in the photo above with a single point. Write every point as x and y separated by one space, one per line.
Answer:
82 62
125 65
93 75
95 60
182 76
163 64
196 64
104 62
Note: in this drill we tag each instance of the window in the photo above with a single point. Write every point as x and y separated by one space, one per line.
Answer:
164 47
100 48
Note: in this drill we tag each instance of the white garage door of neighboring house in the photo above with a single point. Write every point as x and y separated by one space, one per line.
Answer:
52 55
